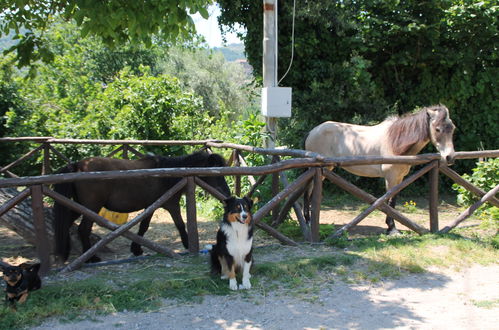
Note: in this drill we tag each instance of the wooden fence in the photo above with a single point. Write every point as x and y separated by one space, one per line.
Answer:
314 169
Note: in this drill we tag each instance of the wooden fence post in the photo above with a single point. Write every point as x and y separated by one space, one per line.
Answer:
433 198
275 188
46 168
192 225
237 178
316 205
42 244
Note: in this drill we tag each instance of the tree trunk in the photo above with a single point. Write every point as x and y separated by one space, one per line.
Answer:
20 220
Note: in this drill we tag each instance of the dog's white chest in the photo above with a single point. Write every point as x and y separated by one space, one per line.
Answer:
238 242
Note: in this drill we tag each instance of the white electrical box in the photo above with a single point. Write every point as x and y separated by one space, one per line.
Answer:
276 101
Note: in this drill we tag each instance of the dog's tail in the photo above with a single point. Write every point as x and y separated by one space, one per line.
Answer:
216 267
64 217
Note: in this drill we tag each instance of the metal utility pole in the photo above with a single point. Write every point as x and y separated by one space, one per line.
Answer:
270 62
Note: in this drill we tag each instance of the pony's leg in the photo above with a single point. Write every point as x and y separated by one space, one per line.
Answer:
179 223
389 220
84 230
394 174
135 248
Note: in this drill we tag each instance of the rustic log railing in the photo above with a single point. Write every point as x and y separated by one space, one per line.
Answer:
301 159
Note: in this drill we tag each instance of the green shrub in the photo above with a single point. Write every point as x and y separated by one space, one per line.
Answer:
485 176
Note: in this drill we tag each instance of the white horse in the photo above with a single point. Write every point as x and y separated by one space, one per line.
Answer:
396 136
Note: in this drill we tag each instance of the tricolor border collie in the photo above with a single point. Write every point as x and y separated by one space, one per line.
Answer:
233 250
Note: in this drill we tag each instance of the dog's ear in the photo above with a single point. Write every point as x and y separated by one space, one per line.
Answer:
30 267
3 266
34 268
229 200
249 201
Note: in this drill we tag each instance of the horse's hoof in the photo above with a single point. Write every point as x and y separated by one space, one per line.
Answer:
94 259
136 250
393 232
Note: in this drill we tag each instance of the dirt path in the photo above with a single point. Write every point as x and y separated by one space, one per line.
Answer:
434 300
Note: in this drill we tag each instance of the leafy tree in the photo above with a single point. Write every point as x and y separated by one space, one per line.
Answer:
115 21
224 86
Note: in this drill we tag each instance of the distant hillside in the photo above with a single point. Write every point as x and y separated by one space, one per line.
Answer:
232 52
6 42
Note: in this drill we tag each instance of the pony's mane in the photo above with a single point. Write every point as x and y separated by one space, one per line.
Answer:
196 159
408 130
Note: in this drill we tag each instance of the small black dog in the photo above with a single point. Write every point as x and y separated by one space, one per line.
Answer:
233 251
20 280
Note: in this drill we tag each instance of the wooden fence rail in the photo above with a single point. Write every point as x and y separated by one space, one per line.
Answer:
317 169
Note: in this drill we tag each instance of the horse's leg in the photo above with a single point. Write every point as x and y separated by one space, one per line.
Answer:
394 174
144 225
389 220
174 209
84 230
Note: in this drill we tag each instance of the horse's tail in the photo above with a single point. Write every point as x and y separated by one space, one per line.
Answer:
64 217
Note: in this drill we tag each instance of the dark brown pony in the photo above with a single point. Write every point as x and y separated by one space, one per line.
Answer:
396 136
125 195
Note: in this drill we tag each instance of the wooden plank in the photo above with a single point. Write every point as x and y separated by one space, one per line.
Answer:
291 202
46 168
256 184
14 201
316 205
214 192
199 171
103 222
469 211
264 210
42 244
433 198
466 184
276 234
115 152
275 189
368 198
390 193
237 178
21 159
118 232
59 154
192 224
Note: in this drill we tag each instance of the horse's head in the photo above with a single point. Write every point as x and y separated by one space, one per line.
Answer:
218 182
441 131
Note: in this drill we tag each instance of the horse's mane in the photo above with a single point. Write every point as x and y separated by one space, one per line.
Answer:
408 130
196 159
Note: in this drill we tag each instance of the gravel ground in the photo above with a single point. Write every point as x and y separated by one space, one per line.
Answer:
468 299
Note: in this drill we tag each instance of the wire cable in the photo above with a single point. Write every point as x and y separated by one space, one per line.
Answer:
292 44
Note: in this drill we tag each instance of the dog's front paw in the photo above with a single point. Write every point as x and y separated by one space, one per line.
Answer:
233 284
224 277
246 285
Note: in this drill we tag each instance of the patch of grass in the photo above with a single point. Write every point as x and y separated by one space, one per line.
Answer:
414 253
489 304
292 230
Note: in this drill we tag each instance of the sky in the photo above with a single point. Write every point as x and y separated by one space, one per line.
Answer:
209 28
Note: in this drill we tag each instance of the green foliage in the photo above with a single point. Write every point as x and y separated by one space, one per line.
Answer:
225 88
91 91
485 176
115 22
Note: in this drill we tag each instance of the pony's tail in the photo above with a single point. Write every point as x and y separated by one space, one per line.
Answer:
64 217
